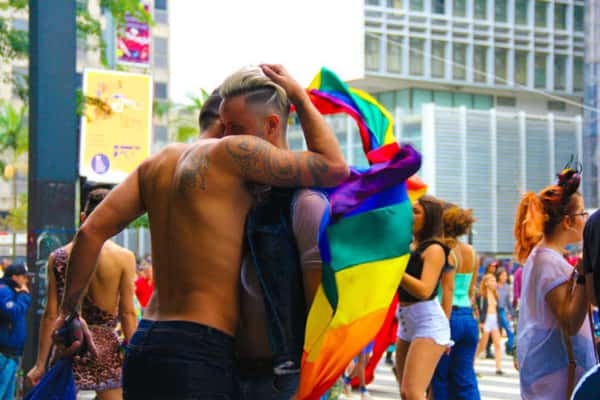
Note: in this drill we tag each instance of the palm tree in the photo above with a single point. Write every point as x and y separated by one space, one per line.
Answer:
14 140
181 118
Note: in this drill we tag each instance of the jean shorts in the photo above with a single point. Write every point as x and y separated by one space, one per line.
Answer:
491 323
425 320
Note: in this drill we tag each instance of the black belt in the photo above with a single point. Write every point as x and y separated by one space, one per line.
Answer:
254 367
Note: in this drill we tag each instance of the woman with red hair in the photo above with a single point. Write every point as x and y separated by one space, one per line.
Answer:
553 331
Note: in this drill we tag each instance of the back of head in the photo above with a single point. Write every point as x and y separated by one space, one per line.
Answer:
457 221
539 215
94 198
432 223
209 113
258 89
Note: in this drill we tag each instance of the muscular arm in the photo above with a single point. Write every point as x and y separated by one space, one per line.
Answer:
570 309
433 262
120 208
50 314
126 307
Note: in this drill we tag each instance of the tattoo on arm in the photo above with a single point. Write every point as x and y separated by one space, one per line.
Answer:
257 158
194 170
72 303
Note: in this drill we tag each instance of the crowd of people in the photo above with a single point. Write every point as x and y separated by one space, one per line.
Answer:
209 315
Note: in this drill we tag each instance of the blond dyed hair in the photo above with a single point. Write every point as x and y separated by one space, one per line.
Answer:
257 87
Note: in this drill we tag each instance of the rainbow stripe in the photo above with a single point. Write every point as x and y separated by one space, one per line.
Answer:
364 239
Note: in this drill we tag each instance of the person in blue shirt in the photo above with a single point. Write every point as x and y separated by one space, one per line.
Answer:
14 303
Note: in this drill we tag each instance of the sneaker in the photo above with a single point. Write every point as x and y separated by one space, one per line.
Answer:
489 356
365 396
388 359
500 372
347 390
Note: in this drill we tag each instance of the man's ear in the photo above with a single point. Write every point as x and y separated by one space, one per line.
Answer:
272 125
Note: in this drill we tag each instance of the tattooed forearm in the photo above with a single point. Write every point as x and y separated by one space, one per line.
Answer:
72 303
259 161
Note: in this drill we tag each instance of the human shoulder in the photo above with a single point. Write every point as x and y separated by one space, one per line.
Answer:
434 249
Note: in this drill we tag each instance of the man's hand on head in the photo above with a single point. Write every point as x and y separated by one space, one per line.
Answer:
278 74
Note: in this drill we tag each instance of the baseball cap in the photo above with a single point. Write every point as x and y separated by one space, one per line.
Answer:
16 269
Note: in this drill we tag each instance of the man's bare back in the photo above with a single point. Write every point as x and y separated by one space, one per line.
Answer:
197 197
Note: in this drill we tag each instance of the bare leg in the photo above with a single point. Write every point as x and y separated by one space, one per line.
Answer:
362 364
482 343
496 339
401 352
421 360
113 394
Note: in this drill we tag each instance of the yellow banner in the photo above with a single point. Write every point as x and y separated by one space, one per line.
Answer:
116 125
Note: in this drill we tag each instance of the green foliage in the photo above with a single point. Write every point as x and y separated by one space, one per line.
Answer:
14 135
16 220
182 118
141 222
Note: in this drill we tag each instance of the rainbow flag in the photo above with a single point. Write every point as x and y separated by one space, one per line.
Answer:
364 239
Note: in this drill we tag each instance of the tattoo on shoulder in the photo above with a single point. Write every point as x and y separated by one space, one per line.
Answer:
194 170
256 157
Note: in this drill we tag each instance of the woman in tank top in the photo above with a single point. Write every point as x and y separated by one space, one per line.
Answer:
488 316
423 329
455 376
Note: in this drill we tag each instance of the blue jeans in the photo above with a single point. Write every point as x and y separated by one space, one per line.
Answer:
454 376
274 387
8 369
179 360
505 324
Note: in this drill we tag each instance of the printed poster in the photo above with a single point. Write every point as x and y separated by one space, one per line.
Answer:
116 125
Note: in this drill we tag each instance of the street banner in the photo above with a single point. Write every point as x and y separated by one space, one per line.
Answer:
116 124
133 40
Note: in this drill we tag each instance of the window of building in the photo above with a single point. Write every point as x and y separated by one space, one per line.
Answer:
394 54
416 58
556 106
20 24
481 9
540 70
541 13
500 11
463 100
560 72
160 5
521 16
500 58
439 6
506 101
160 90
161 52
578 73
438 59
460 8
459 57
397 4
480 64
578 19
482 102
560 16
417 5
372 51
521 67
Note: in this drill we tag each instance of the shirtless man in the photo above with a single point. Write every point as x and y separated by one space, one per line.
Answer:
109 299
197 197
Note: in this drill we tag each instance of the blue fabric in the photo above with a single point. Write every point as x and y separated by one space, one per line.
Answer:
588 386
506 325
172 360
57 384
455 376
8 368
272 246
13 313
275 387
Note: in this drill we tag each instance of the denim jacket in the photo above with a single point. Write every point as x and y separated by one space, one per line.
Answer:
272 246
